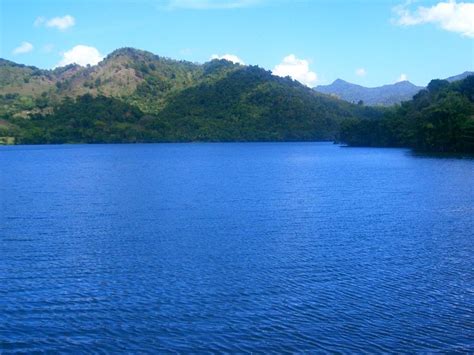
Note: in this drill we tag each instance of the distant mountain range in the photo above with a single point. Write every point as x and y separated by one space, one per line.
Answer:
385 95
459 76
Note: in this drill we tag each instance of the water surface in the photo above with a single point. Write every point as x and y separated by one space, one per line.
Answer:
234 247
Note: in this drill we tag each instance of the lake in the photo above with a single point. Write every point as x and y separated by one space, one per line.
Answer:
263 247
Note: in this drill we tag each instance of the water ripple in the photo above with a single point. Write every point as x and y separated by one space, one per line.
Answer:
239 248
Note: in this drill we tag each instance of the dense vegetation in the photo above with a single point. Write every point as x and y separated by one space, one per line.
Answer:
439 119
136 96
84 120
137 77
249 104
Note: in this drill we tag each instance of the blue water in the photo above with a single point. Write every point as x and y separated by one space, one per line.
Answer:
287 247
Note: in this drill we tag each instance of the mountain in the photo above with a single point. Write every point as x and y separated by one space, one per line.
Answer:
459 76
252 104
440 118
137 96
135 76
384 95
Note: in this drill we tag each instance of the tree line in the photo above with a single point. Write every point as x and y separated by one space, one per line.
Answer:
250 104
439 118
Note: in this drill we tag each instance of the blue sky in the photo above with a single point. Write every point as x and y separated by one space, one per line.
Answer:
315 41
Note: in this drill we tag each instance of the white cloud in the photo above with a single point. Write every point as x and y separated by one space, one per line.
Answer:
361 72
211 4
60 23
297 69
24 47
449 15
230 57
81 55
402 77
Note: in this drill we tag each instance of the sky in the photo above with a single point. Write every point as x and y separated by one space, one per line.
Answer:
367 42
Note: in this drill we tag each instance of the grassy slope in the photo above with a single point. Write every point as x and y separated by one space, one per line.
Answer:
135 76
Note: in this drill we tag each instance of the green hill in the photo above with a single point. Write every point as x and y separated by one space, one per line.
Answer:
134 76
439 119
136 96
251 104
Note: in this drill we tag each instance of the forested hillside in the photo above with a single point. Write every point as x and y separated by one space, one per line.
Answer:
249 104
131 75
439 118
136 96
252 104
